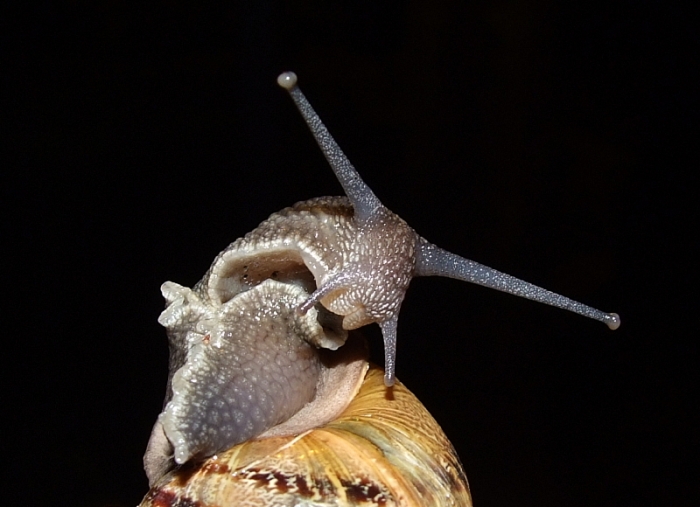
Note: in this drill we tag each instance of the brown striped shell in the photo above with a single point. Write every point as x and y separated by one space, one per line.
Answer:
385 449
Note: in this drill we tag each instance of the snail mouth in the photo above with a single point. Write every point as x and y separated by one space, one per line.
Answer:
243 272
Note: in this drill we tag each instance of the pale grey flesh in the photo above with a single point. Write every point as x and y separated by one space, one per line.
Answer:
430 259
434 261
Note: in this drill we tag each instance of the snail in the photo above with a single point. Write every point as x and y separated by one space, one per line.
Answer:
266 387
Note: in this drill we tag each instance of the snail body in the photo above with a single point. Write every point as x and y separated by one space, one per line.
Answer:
266 389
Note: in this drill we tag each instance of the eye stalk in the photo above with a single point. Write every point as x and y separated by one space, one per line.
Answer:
371 289
363 200
434 261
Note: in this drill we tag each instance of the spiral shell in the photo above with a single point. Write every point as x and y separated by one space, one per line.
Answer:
385 449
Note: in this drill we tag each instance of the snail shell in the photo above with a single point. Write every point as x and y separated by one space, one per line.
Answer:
381 450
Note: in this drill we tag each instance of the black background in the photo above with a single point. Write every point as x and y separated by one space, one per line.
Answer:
548 139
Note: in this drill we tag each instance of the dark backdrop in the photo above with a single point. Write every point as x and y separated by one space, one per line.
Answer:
547 139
